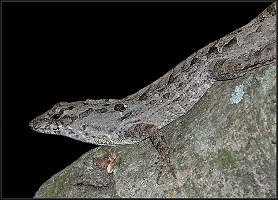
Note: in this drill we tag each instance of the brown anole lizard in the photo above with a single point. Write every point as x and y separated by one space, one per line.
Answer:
141 115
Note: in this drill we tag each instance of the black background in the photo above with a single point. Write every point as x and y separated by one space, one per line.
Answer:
76 51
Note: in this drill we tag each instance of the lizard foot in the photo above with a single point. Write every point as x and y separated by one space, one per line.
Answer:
159 143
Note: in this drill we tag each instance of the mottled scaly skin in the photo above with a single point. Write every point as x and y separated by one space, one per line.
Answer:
141 115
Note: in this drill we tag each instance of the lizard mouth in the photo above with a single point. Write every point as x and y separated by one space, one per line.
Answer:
37 126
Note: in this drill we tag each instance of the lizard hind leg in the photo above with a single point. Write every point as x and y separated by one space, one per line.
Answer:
226 69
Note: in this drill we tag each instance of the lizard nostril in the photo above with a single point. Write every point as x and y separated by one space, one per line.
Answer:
31 123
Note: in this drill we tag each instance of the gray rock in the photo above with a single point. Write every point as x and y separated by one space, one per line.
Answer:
225 147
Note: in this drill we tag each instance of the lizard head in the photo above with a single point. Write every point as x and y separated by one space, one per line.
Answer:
92 121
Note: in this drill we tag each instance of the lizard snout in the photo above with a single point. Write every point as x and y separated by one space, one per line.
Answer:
32 124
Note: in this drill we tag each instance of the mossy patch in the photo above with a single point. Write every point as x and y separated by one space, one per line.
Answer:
57 187
226 159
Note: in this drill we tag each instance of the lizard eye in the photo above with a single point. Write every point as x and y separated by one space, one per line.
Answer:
56 116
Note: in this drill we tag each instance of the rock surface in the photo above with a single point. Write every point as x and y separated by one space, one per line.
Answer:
225 147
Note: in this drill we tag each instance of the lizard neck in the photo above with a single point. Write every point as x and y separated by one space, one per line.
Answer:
170 96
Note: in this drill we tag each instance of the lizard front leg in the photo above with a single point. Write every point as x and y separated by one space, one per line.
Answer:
159 143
